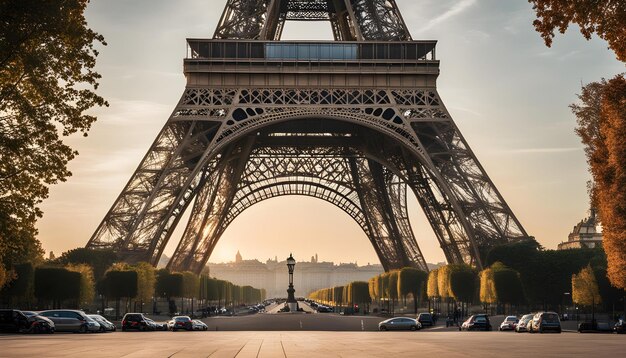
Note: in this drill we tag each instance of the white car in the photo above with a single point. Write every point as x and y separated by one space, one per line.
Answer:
198 325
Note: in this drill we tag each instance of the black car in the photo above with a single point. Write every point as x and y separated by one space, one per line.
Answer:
137 322
477 322
40 324
16 321
426 319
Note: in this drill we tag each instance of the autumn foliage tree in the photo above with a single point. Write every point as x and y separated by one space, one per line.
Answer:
47 84
605 18
601 116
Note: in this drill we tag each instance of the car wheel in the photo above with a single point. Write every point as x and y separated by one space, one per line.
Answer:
559 331
82 329
383 328
413 328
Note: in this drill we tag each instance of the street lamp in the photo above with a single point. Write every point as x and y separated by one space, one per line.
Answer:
291 299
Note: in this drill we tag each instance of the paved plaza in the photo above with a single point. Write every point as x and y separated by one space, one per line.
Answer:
298 335
313 344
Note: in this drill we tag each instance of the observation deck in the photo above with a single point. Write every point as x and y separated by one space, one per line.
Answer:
223 63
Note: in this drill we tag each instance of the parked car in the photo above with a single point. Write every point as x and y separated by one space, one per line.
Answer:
477 322
545 321
182 322
105 324
16 321
323 309
198 325
137 322
595 327
425 319
71 321
156 326
399 323
620 327
39 324
509 323
522 325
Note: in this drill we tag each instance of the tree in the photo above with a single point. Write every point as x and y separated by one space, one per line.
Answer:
56 284
20 289
47 83
585 290
99 259
87 287
604 18
500 284
432 288
146 281
4 276
601 117
462 283
120 284
411 281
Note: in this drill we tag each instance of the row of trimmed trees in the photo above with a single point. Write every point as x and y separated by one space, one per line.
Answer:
350 295
79 275
522 275
383 289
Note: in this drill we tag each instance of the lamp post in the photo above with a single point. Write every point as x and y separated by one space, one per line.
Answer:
291 299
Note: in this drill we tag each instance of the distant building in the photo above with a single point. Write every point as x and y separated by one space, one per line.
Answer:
586 234
308 276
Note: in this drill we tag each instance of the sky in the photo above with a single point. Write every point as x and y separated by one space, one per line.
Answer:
507 92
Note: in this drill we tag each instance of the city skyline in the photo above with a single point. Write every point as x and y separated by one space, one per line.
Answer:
517 121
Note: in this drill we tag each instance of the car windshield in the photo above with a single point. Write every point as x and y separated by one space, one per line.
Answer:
511 318
424 315
480 319
551 318
29 313
182 319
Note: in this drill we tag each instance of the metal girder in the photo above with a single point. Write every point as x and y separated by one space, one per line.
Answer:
323 173
351 20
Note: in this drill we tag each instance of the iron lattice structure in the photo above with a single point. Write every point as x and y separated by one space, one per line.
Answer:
356 122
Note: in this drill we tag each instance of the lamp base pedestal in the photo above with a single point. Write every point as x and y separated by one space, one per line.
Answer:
293 306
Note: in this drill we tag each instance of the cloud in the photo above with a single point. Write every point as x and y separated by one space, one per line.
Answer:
456 9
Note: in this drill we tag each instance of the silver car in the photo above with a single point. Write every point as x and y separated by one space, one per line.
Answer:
524 322
399 323
71 321
198 325
105 324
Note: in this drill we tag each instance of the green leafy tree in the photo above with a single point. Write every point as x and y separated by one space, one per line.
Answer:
47 84
118 284
146 281
462 283
20 289
604 18
100 260
411 281
87 290
337 296
56 285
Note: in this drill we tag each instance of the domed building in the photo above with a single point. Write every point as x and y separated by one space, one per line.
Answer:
586 234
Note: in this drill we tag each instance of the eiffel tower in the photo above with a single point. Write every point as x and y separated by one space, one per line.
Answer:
356 122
